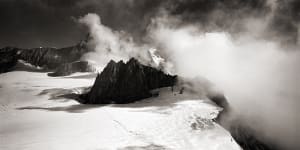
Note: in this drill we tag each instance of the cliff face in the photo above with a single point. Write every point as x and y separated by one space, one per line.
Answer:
125 83
242 133
8 59
247 138
51 58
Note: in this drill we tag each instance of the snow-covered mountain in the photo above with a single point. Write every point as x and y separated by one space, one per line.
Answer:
41 114
121 82
43 108
44 57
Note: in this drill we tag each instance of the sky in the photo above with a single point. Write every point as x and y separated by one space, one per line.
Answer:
34 23
53 23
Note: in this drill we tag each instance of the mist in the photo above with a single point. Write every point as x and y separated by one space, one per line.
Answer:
108 44
258 75
251 59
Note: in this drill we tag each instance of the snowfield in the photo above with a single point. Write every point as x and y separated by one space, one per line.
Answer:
37 112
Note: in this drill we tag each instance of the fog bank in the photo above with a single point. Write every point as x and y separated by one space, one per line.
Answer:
259 76
251 60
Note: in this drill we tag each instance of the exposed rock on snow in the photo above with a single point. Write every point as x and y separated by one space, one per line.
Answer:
38 116
9 58
242 133
70 68
247 138
125 83
47 58
51 58
202 124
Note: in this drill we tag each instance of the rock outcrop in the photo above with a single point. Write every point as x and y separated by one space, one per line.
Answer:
125 83
242 133
248 139
70 68
51 58
46 58
8 58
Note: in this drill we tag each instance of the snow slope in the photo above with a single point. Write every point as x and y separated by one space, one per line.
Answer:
35 114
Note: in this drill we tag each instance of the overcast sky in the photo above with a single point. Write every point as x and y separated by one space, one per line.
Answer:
52 23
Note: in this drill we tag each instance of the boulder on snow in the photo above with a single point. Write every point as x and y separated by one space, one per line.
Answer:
70 68
126 82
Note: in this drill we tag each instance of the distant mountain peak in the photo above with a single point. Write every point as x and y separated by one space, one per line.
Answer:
86 40
45 57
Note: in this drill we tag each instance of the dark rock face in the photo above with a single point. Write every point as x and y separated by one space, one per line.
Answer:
8 58
47 58
125 83
243 134
220 100
69 68
247 138
51 58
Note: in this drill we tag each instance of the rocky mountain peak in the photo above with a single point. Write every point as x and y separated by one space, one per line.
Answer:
133 61
126 82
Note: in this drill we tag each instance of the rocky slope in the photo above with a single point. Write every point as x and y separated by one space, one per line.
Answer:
247 138
37 115
50 58
120 83
8 58
126 82
47 58
242 133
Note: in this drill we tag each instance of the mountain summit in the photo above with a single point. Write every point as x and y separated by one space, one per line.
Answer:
121 82
48 58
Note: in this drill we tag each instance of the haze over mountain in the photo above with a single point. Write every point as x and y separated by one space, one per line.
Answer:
247 49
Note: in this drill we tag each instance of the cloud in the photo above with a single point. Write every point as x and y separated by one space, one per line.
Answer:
48 23
108 44
248 49
281 18
258 76
250 54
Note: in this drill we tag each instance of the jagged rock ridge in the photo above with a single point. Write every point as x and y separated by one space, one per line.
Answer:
125 83
50 58
8 58
47 58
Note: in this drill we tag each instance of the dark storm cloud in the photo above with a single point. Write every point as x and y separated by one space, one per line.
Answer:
218 14
286 21
60 3
196 10
33 23
282 16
